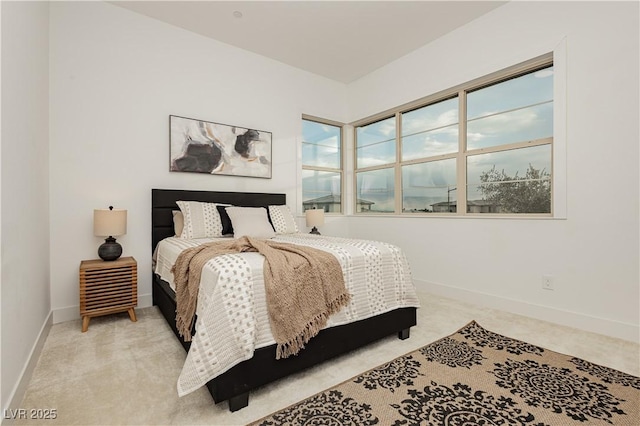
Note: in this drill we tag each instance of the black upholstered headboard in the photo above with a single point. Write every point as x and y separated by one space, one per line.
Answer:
163 201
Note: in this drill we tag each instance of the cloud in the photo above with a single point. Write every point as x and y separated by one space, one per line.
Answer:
426 119
519 125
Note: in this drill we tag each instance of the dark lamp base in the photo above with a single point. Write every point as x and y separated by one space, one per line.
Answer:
110 249
314 230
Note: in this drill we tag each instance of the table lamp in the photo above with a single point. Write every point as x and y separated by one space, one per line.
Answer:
107 223
314 217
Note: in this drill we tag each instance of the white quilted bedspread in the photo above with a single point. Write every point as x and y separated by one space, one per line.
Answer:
232 314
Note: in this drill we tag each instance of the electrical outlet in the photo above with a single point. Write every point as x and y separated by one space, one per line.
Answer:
547 282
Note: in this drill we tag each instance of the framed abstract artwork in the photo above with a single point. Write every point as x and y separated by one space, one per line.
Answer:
199 146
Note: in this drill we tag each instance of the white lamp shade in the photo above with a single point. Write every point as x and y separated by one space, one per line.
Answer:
314 217
107 223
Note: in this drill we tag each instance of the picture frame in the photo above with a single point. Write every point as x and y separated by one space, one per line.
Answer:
199 146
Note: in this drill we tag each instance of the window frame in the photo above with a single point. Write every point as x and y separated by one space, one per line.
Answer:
462 154
306 117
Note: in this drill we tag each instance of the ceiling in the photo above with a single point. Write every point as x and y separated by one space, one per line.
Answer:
341 40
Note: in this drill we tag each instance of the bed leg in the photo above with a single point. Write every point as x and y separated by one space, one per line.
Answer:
238 402
403 334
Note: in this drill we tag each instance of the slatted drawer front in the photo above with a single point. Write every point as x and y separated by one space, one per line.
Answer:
110 288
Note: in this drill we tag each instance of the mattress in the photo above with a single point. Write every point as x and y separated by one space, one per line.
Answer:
232 318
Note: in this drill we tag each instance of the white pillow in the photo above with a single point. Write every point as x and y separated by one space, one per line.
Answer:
250 221
282 220
201 220
178 222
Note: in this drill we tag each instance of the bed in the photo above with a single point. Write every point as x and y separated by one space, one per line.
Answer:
235 384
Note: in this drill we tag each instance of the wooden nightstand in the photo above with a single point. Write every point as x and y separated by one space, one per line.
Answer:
108 288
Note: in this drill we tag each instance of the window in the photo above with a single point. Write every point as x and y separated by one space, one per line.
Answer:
375 161
484 147
321 165
429 142
509 137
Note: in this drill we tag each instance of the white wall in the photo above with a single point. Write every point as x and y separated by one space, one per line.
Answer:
25 301
593 254
115 77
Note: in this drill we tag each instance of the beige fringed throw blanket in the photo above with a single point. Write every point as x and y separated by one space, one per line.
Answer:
303 286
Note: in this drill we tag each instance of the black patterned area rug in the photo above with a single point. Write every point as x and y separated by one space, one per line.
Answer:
475 377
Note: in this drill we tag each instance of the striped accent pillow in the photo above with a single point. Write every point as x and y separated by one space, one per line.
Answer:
201 220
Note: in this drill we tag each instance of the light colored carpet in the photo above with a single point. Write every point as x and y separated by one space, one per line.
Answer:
121 372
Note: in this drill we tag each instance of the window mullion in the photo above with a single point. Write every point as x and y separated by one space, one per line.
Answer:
510 146
461 163
321 169
398 170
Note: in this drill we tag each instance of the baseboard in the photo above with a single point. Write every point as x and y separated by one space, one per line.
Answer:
145 300
72 313
580 321
19 390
